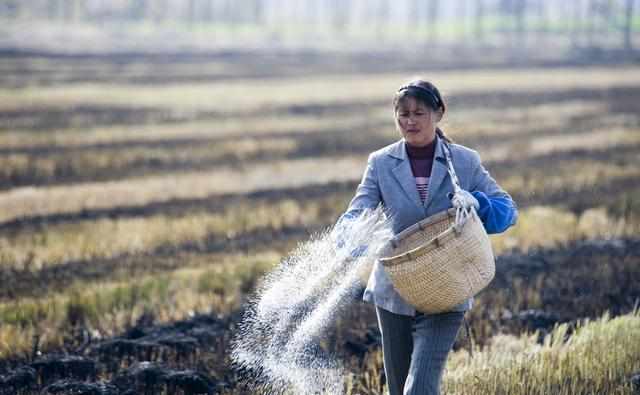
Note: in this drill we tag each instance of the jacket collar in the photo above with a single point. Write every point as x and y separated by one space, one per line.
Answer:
404 175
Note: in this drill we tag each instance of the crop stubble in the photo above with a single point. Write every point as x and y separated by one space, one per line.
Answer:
564 142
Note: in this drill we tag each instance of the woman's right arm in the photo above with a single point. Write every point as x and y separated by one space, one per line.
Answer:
367 195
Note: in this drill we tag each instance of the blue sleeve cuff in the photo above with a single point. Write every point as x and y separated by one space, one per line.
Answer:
497 213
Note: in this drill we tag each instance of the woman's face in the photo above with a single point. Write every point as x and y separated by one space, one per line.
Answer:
416 121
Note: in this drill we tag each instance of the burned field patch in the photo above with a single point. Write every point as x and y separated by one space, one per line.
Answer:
549 286
533 291
145 359
78 116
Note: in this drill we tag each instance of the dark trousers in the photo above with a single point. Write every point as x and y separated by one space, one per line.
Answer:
415 349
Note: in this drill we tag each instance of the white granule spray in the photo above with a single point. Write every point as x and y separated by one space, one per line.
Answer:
278 342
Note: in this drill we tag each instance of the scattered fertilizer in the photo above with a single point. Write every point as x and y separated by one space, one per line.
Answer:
278 345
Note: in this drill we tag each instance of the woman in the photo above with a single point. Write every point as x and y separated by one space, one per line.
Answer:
409 178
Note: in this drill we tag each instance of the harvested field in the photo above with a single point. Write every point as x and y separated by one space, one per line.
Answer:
140 206
532 292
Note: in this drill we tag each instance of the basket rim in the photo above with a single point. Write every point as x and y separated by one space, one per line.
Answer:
418 226
420 250
429 245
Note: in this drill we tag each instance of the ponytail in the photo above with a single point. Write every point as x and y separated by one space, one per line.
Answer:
443 136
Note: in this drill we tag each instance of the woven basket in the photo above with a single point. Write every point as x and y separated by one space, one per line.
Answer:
442 260
436 265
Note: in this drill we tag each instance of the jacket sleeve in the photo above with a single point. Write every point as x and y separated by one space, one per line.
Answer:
367 196
497 209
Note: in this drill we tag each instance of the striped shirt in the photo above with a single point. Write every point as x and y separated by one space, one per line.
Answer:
421 159
422 183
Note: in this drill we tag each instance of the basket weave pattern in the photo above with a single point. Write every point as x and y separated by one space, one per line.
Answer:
434 267
414 238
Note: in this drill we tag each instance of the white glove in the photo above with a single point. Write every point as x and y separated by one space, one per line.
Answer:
464 199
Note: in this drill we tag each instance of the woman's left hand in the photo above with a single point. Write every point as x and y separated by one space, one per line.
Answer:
464 199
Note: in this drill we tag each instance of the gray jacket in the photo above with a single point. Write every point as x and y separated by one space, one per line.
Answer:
388 180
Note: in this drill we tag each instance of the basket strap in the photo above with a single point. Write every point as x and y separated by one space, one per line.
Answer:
450 169
461 214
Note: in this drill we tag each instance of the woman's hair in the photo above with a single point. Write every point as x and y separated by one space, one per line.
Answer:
423 92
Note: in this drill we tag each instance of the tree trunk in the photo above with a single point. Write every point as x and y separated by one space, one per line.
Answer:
339 17
160 10
577 26
138 9
520 12
432 18
462 17
414 18
207 11
230 16
592 16
543 21
628 26
191 11
382 18
479 22
418 19
258 12
69 10
53 9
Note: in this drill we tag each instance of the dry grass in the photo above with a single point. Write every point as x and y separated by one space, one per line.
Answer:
462 123
573 175
232 95
54 244
220 285
225 127
532 146
598 358
28 201
108 238
545 226
112 163
526 123
68 157
212 281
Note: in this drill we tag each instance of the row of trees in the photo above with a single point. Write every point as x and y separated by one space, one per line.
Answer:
583 21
